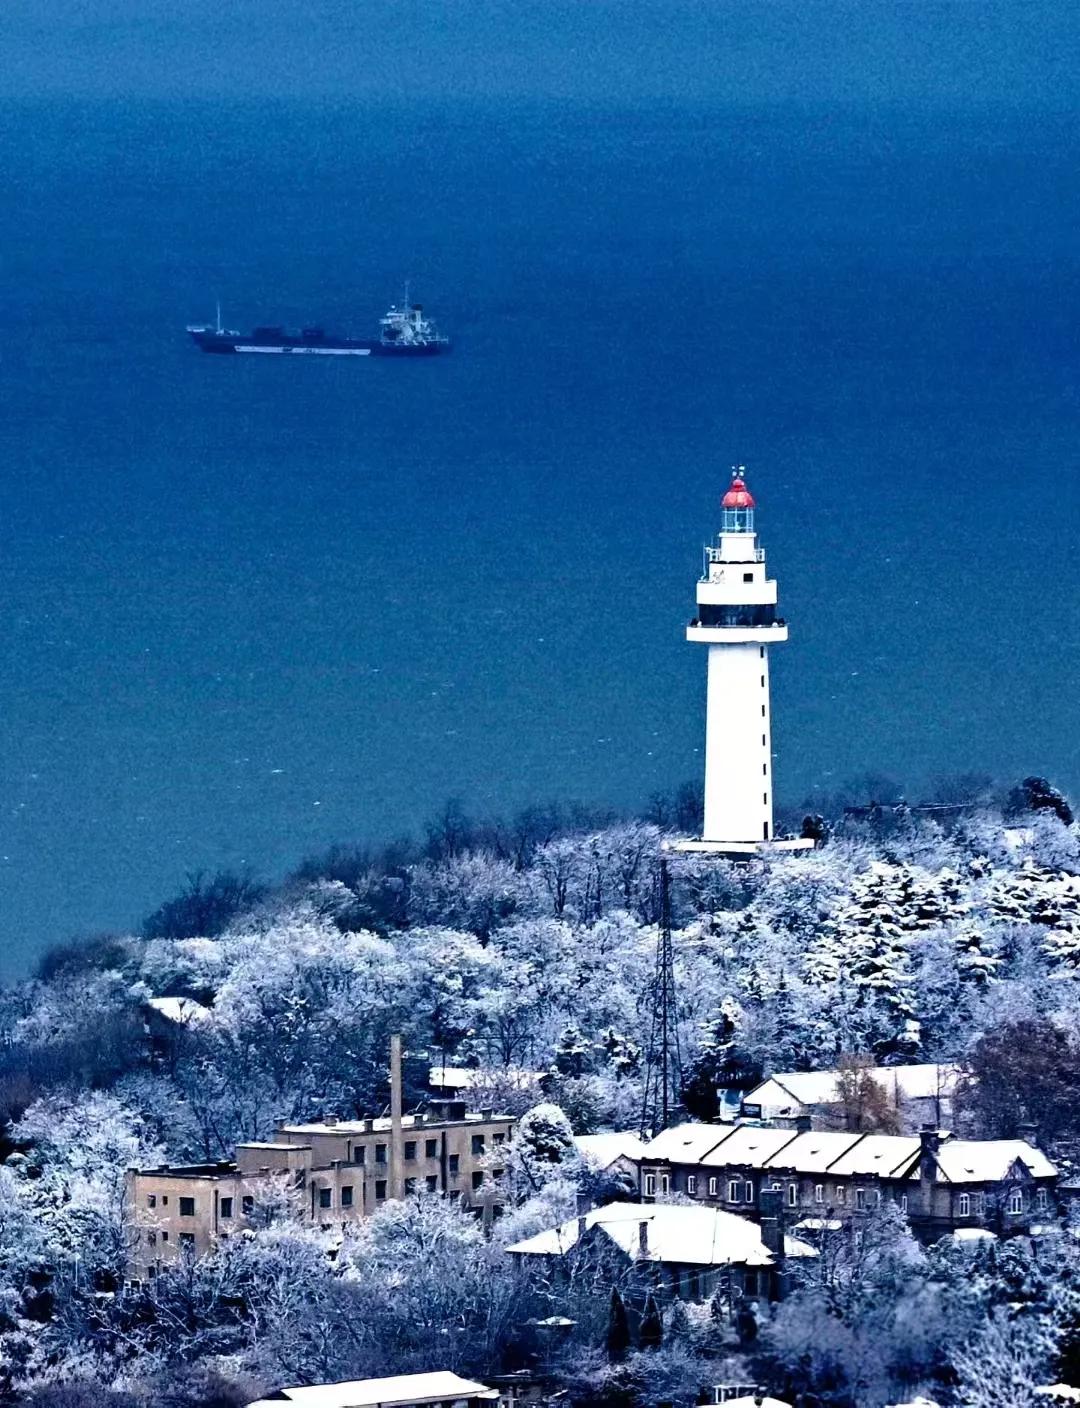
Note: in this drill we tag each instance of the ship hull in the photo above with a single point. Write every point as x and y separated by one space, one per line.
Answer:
232 344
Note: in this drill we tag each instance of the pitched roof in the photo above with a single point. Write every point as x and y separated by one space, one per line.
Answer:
675 1233
760 1147
989 1160
685 1143
916 1082
601 1150
880 1155
367 1393
748 1146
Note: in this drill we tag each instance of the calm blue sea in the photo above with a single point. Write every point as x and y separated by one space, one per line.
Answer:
253 606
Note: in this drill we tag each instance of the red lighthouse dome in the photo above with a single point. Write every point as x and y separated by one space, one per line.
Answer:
738 496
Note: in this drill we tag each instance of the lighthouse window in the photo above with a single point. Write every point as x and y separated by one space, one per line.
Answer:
748 576
764 769
763 681
763 711
762 649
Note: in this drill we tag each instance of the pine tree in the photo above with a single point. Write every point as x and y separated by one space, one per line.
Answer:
618 1329
651 1331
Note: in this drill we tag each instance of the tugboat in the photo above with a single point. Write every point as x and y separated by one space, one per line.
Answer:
403 332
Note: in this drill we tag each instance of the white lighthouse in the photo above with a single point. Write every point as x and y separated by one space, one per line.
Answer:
736 618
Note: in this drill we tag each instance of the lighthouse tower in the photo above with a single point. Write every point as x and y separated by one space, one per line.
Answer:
736 618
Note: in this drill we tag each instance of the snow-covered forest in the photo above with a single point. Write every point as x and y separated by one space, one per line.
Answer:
530 947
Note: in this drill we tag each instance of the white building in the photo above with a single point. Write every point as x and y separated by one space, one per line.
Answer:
920 1094
736 618
612 1153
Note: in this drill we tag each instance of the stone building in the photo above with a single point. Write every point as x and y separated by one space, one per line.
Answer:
942 1184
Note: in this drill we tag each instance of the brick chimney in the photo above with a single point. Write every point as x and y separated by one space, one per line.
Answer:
771 1204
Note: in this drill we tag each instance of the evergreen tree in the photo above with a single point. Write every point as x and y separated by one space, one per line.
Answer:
651 1330
618 1329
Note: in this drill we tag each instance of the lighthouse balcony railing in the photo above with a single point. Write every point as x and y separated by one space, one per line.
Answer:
750 619
716 554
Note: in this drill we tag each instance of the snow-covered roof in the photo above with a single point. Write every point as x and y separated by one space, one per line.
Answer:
1059 1393
973 1234
382 1124
883 1155
675 1234
463 1078
844 1155
791 1090
989 1160
369 1393
602 1150
748 1146
181 1010
684 1143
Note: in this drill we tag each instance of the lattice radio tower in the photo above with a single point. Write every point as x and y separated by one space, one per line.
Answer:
663 1064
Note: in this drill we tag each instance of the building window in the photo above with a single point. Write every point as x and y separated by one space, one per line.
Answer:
733 1190
431 1149
1042 1202
665 1183
903 1202
359 1155
432 1181
346 1196
380 1153
477 1181
151 1238
477 1145
164 1236
860 1199
978 1204
650 1185
841 1195
498 1139
792 1195
714 1187
151 1201
963 1205
748 1192
877 1197
226 1207
410 1148
1016 1201
247 1204
410 1186
187 1207
380 1190
454 1195
164 1200
691 1182
187 1239
325 1198
455 1163
819 1192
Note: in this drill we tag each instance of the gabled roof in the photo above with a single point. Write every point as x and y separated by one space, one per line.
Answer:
368 1393
812 1152
805 1088
748 1146
602 1150
878 1155
989 1160
674 1233
685 1143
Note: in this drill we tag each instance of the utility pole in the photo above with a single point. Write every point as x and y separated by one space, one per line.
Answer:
663 1065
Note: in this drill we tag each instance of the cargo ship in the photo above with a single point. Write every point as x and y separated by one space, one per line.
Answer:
404 331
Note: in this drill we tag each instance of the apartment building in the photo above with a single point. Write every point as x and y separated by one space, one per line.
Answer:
331 1172
941 1183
